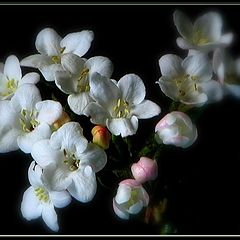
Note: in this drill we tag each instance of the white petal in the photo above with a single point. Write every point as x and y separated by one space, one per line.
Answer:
78 42
120 212
69 137
93 156
123 194
198 65
50 217
65 82
72 63
125 127
132 89
213 90
8 140
48 42
49 111
146 109
104 91
78 102
101 65
26 141
97 113
12 68
49 71
233 89
36 61
25 97
136 208
1 67
182 43
60 199
210 25
84 185
34 174
44 154
183 24
32 78
171 65
226 39
31 207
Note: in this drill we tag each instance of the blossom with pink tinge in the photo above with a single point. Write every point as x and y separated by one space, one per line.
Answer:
131 197
145 169
176 128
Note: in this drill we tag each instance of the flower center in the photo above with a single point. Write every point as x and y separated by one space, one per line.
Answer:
41 194
11 87
28 120
82 81
71 161
121 109
199 38
56 59
133 199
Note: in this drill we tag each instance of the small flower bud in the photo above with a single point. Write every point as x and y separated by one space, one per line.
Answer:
144 170
101 136
62 120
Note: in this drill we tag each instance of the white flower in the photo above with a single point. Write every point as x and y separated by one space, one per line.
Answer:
26 119
119 105
52 47
176 128
190 80
75 80
70 162
39 201
131 197
228 72
204 35
11 77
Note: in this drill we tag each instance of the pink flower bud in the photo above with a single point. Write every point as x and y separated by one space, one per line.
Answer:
176 128
144 170
101 136
131 197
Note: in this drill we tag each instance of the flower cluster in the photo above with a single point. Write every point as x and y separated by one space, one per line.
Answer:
65 162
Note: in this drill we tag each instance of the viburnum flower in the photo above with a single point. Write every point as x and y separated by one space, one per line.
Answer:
120 104
52 47
70 162
11 77
228 72
26 119
75 79
131 197
40 201
190 80
204 35
144 170
176 128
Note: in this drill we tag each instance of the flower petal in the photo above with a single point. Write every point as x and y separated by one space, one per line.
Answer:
72 63
120 212
233 89
44 154
8 140
182 43
123 126
183 24
213 90
36 61
49 111
146 109
93 156
84 185
32 78
226 39
25 97
60 199
31 207
198 65
101 65
26 141
49 71
78 102
136 208
12 68
50 217
123 194
69 137
132 89
171 65
34 174
98 114
48 42
1 67
78 42
65 82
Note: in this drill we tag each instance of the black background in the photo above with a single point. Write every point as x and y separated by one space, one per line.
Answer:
203 181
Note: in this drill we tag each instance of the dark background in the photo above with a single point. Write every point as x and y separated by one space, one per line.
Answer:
202 181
